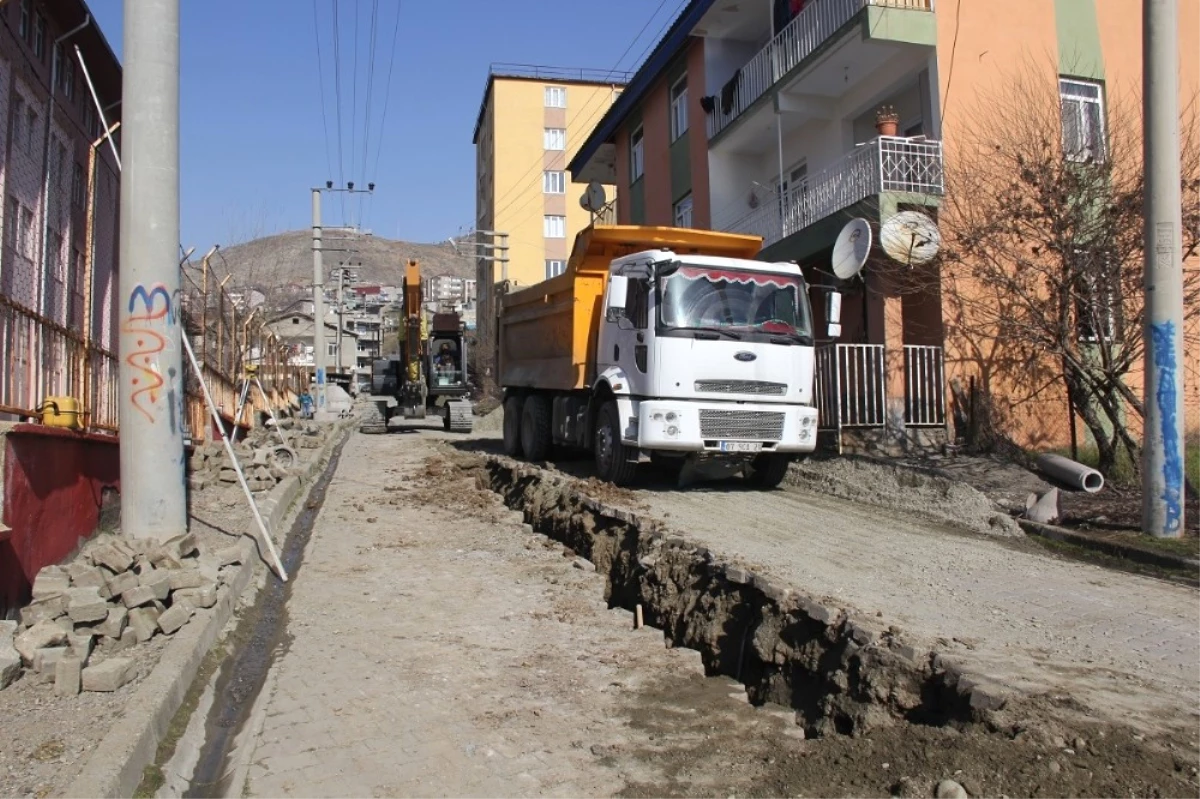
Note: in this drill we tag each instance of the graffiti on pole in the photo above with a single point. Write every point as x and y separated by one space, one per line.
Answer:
149 308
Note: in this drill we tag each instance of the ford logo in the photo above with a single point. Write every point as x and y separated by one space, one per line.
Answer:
745 357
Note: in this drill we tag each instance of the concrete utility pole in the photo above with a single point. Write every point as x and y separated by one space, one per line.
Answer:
318 309
153 503
1162 452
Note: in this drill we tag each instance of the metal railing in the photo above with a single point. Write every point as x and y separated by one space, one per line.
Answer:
886 163
551 73
925 386
850 386
816 23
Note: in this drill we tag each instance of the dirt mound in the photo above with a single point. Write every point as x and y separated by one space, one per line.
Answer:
904 489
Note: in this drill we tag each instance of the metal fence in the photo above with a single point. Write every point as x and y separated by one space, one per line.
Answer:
816 23
850 386
886 163
925 386
229 338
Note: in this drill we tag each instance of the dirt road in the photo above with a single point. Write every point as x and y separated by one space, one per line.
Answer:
1124 645
437 646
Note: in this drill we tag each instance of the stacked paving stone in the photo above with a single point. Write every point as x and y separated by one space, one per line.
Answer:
117 594
264 459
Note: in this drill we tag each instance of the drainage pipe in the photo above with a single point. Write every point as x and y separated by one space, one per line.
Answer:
1071 473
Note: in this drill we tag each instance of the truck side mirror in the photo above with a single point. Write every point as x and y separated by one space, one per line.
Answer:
618 291
833 313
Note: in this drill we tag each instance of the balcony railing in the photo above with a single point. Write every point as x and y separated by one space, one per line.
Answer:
816 23
850 386
887 163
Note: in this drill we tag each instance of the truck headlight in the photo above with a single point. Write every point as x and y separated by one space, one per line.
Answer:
672 416
672 431
807 421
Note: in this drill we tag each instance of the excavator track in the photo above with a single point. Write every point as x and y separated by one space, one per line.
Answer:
461 416
373 417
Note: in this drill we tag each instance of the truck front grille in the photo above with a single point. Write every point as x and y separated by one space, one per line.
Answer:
756 387
747 425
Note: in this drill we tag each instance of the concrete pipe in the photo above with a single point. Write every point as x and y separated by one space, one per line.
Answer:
1071 473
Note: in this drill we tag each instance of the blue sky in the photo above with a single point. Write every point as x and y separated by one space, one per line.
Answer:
252 143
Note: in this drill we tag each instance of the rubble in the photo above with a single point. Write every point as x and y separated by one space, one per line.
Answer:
116 594
264 459
109 675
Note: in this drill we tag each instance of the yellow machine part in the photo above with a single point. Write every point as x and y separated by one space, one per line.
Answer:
61 412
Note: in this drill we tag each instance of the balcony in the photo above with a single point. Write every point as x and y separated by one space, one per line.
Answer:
887 163
817 23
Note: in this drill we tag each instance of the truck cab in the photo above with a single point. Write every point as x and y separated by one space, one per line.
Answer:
706 354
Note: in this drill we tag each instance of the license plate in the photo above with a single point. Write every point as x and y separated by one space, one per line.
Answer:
740 446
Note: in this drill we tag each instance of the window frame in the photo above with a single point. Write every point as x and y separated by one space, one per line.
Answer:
554 226
684 203
555 267
25 22
1078 101
554 181
559 136
39 36
554 96
679 109
637 154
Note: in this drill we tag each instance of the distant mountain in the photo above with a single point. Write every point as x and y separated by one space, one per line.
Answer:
273 263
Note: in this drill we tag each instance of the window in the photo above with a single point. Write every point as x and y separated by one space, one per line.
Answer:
556 97
18 120
636 156
555 268
12 214
77 189
331 348
554 227
68 79
295 320
555 139
25 28
31 123
1097 296
39 36
1082 120
683 212
90 123
554 182
58 166
679 108
25 233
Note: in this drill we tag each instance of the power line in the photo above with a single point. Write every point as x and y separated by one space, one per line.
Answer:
321 83
387 90
337 85
521 181
370 92
354 101
595 114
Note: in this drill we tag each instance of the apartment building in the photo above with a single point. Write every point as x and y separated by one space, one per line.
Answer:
764 117
60 209
450 290
531 122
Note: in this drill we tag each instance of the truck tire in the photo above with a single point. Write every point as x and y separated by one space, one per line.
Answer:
512 426
612 456
535 428
768 470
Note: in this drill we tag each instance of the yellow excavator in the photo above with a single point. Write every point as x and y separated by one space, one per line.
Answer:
429 374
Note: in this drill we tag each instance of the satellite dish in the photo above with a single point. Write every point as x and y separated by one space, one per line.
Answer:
594 199
911 238
851 249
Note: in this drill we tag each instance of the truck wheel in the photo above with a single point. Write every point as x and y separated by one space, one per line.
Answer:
535 428
612 456
512 427
768 470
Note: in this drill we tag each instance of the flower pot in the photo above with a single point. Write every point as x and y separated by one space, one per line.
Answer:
887 127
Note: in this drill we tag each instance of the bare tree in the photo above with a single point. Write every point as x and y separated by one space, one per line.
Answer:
1042 266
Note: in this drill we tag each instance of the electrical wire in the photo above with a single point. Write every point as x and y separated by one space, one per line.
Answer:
587 125
520 182
321 83
387 89
354 106
367 116
337 86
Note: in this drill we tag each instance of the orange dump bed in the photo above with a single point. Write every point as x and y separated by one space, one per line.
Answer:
548 330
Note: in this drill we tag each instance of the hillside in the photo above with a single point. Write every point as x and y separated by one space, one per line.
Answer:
275 261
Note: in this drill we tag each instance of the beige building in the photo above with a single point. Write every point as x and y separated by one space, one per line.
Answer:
530 125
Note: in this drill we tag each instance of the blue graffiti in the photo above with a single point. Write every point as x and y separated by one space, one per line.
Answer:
1162 337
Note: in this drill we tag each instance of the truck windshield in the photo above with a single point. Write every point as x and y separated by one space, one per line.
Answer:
733 300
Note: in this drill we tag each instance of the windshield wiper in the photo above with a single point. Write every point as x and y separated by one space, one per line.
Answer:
714 332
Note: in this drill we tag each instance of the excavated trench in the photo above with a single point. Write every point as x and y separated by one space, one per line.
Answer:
840 675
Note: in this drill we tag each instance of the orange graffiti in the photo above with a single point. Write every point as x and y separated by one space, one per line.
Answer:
138 324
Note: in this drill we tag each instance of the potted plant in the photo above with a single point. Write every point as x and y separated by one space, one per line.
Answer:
887 121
